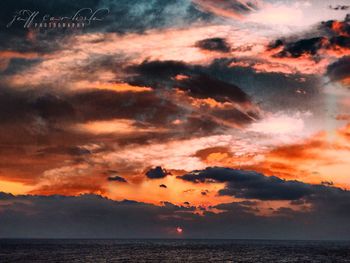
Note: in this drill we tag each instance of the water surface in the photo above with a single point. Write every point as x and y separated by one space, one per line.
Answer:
95 251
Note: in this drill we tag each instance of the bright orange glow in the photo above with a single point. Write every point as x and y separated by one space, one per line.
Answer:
119 87
118 126
339 28
14 188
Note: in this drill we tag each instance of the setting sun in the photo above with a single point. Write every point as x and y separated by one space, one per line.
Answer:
179 230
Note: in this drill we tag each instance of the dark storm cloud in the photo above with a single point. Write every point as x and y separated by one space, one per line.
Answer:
264 88
6 196
89 105
277 91
116 178
339 70
21 106
157 173
204 86
36 125
299 48
336 27
142 106
198 84
329 35
84 216
251 185
214 44
339 32
341 41
91 216
243 208
165 69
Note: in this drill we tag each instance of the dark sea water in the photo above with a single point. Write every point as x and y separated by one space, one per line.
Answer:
85 251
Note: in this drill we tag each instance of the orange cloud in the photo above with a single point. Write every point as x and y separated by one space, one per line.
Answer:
74 186
9 54
340 28
117 126
118 87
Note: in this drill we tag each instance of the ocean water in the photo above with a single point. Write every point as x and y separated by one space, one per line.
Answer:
95 251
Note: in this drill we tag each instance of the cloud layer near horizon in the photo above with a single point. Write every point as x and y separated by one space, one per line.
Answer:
314 207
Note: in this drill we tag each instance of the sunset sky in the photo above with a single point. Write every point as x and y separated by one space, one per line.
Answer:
186 118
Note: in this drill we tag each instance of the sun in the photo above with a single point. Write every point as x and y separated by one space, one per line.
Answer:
179 230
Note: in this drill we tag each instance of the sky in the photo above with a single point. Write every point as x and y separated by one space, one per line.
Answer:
175 119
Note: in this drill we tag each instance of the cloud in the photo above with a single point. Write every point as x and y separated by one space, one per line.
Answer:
85 216
251 185
81 107
339 71
202 86
160 69
213 102
116 178
204 192
278 124
331 39
214 44
196 82
92 216
54 129
99 59
339 7
235 9
278 14
157 173
299 48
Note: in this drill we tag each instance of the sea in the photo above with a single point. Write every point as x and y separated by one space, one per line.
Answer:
160 250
